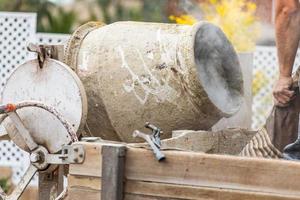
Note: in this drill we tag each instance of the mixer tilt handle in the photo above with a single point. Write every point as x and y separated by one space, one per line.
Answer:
156 149
153 140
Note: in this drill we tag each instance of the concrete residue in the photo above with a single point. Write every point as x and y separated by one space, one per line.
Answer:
140 72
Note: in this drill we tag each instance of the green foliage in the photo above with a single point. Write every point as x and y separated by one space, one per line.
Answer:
104 6
55 19
151 10
124 14
4 185
61 22
51 18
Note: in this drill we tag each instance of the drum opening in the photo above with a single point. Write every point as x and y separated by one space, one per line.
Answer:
218 68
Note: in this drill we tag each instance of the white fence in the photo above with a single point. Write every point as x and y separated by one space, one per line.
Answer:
18 29
265 73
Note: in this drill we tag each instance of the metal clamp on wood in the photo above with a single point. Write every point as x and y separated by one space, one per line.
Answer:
153 140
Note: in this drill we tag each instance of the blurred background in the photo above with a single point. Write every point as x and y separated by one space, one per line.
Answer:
62 16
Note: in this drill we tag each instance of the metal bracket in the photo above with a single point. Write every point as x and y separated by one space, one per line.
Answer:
43 52
70 154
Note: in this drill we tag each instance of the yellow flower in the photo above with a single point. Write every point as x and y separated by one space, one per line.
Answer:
235 17
183 19
172 17
251 6
221 10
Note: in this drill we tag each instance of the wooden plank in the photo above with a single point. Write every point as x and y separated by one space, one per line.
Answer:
188 173
86 182
148 190
92 165
113 171
221 196
225 172
145 197
83 194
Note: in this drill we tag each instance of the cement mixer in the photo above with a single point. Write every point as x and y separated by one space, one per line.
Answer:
175 76
126 74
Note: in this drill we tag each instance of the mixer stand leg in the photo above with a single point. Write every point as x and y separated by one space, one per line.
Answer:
51 184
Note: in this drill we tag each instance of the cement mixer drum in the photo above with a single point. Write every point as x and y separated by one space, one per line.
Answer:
175 76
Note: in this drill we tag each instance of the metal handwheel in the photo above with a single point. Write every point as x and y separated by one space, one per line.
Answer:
40 158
